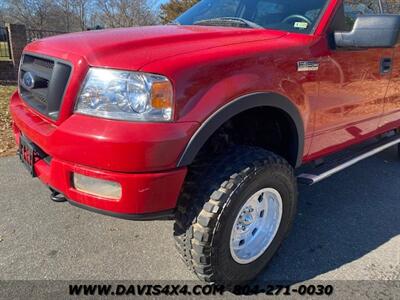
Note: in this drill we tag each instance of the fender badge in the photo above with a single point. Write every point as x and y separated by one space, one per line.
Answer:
307 66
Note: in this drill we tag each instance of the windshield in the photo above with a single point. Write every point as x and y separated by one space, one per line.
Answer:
288 15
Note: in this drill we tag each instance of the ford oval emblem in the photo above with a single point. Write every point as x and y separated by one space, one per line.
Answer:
28 80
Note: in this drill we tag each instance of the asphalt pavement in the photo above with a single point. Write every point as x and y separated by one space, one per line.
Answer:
347 228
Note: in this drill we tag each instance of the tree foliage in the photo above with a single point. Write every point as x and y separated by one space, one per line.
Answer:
174 8
125 13
77 15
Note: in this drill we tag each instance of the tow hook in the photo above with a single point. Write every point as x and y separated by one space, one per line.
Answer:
56 196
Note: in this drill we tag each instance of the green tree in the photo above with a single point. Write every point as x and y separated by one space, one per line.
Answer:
174 8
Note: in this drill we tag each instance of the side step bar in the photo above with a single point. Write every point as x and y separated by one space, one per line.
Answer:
326 171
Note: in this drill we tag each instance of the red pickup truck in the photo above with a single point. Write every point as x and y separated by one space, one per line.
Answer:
208 120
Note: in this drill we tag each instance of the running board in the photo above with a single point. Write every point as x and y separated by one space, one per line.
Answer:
326 171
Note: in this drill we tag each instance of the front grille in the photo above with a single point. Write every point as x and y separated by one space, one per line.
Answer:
42 83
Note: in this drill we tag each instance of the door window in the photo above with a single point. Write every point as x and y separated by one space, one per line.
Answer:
391 7
355 8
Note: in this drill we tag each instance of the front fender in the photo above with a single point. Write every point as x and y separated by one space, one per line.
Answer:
237 106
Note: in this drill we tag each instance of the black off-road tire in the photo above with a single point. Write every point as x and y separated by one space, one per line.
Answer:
212 197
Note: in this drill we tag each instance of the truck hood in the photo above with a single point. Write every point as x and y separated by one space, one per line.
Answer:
132 48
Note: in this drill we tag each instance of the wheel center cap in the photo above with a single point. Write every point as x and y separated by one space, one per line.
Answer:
247 219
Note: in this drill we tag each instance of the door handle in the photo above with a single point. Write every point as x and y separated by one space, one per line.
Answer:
386 65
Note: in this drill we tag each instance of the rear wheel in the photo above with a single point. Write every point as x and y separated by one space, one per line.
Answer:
234 214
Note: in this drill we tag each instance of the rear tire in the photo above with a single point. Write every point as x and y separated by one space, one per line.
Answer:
212 216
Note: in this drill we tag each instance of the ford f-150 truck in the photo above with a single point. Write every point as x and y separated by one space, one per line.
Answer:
211 120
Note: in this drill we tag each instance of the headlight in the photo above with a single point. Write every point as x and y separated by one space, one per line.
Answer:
123 95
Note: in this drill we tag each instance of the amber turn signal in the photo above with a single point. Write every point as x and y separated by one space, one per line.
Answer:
161 95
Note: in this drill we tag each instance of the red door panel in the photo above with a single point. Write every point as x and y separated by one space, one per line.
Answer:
391 116
351 98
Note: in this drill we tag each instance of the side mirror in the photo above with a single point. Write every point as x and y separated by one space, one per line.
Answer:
372 31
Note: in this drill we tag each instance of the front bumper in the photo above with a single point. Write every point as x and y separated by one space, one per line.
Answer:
134 155
144 196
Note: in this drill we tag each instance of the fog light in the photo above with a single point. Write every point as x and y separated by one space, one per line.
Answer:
97 187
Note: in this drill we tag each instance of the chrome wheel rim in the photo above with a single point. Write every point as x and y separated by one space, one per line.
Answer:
256 225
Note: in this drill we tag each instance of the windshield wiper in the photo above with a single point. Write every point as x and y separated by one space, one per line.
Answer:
228 20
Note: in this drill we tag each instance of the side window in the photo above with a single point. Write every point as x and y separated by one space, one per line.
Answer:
391 7
355 8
